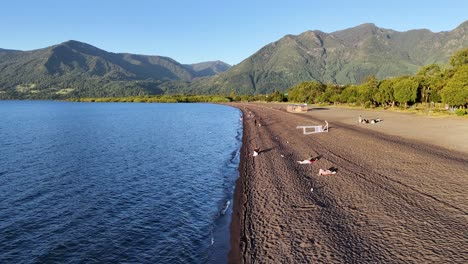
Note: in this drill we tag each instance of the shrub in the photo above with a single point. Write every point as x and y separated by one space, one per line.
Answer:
460 112
351 100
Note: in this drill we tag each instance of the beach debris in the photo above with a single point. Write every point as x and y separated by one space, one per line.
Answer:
316 129
282 155
311 189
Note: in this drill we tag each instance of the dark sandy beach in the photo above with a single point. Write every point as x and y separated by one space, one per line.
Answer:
399 194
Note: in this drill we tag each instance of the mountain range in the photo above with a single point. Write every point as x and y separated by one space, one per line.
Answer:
76 69
69 67
342 57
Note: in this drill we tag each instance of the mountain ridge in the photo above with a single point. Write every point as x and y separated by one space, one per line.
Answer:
74 68
345 56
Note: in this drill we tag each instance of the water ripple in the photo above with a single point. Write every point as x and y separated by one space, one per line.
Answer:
98 183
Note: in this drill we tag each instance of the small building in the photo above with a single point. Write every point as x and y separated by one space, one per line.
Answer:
297 108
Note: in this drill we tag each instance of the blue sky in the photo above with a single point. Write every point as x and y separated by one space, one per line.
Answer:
196 31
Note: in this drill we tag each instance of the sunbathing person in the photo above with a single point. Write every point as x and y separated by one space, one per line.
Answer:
310 160
256 151
330 171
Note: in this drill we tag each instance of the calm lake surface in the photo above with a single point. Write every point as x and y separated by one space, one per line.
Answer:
116 182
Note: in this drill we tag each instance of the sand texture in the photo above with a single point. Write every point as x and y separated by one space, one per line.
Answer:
400 194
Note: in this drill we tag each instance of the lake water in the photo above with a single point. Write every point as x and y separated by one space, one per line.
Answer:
116 182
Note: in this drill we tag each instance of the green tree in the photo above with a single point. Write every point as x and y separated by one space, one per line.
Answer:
455 93
308 92
429 78
349 94
385 94
332 93
459 58
405 90
277 97
367 90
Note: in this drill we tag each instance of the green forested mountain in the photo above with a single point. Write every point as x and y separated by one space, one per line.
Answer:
78 69
209 68
342 57
75 69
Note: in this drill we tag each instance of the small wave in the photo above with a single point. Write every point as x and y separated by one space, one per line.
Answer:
226 206
233 161
233 157
238 136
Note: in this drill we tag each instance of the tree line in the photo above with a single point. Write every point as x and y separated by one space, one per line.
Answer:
157 99
432 83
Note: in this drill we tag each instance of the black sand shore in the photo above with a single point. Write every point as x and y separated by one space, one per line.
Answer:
393 199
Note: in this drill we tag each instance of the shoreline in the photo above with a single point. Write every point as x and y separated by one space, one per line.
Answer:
234 254
276 218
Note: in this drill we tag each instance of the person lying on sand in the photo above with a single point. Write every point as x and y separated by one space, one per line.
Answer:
367 121
310 160
256 151
330 171
363 120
